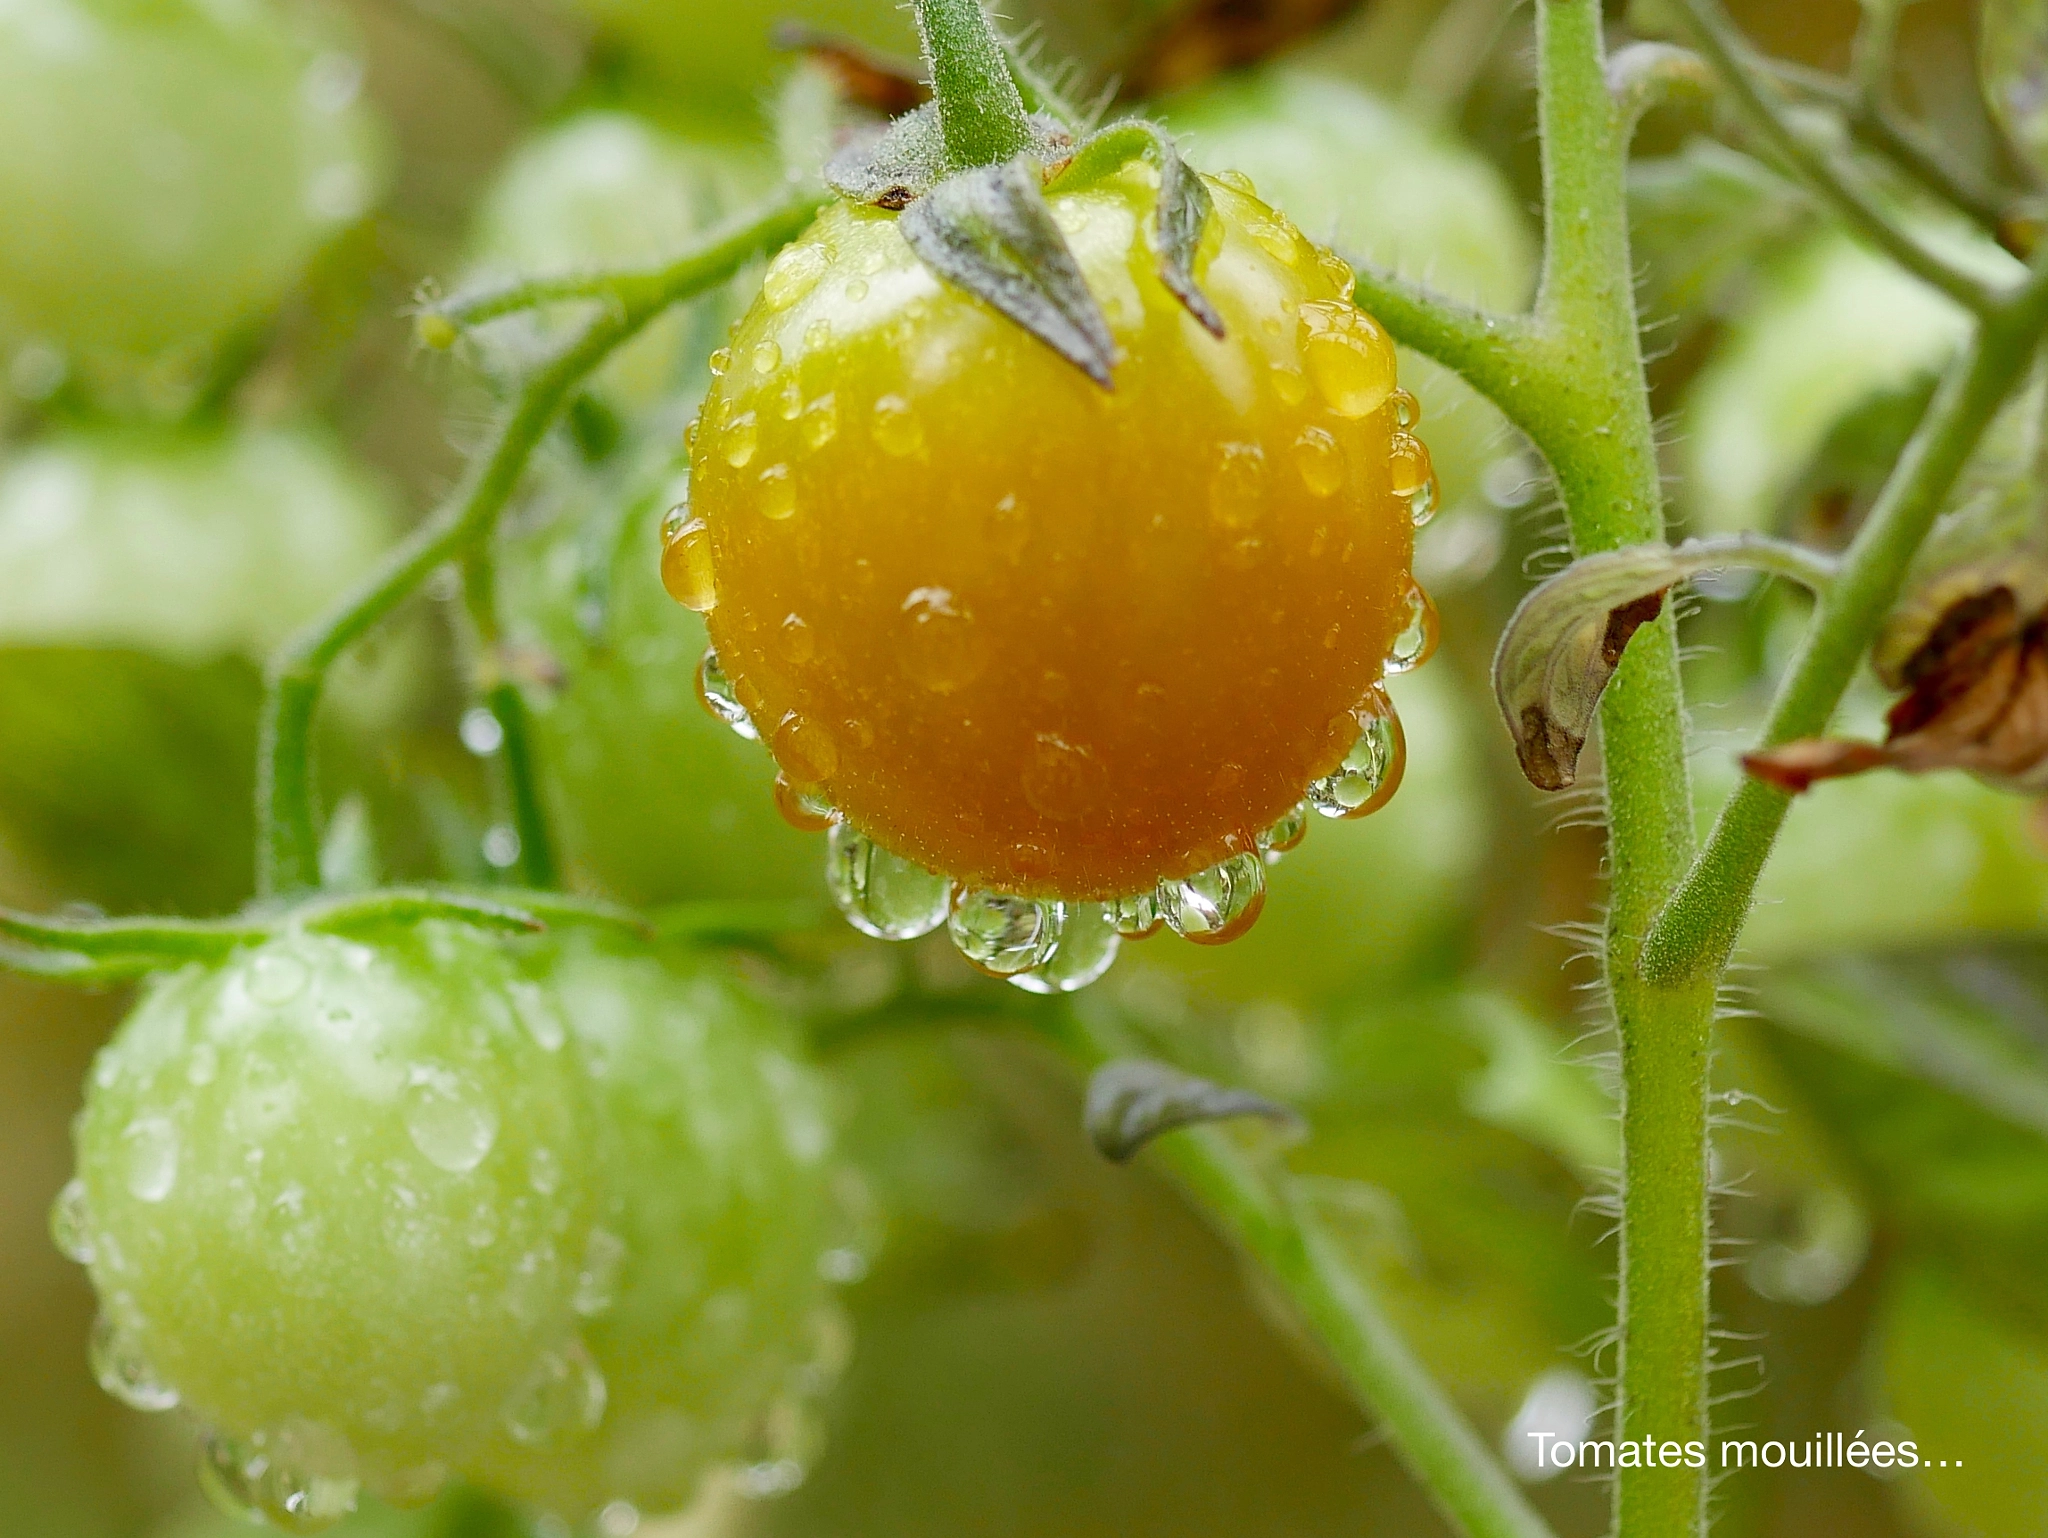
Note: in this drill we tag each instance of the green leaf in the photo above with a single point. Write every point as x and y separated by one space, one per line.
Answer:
2012 62
1133 1101
991 232
1180 217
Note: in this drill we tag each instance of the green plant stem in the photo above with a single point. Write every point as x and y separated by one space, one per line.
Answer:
518 769
1697 932
1272 1227
287 841
1715 36
1647 75
981 111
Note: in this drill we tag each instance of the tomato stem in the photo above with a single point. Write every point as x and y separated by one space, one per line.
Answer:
981 111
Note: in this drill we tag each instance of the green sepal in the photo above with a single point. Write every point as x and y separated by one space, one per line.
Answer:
1181 216
909 159
991 232
1132 1101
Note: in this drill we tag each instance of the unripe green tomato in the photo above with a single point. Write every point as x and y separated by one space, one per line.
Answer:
335 1197
602 189
718 60
1352 169
167 168
144 575
654 799
707 1313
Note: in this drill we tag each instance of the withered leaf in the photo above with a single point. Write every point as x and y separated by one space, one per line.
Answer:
1209 36
1132 1101
865 78
1977 700
991 232
1179 219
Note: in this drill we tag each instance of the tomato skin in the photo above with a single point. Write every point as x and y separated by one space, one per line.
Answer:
343 1185
1041 637
168 169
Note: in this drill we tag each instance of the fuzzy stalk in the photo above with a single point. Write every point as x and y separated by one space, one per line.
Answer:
981 111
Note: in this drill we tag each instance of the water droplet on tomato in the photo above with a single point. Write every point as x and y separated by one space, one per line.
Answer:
857 291
562 1400
686 570
1278 241
1237 493
804 810
1136 917
1237 182
820 421
1349 358
818 335
778 493
1407 410
150 1158
792 275
716 694
276 977
942 648
1002 934
1290 384
897 429
1285 835
1337 273
124 1370
1215 906
597 1283
450 1122
71 1223
1408 466
1320 459
721 360
1422 507
301 1478
1371 769
1416 643
881 894
766 358
805 750
1087 949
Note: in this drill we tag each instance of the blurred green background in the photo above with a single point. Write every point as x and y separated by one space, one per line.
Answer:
213 415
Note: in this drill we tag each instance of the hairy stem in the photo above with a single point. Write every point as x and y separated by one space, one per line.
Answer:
518 772
1696 933
981 111
287 837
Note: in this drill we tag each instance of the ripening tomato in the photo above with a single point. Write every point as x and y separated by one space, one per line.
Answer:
167 169
144 575
1060 644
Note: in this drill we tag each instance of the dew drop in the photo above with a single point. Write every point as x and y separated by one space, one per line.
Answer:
686 560
301 1479
1137 917
150 1152
1408 466
857 291
742 438
820 421
897 429
1087 948
1320 459
1217 905
818 335
691 433
790 399
1004 935
1407 410
804 810
1371 771
71 1223
450 1123
766 358
597 1284
276 977
1238 182
943 650
805 750
1422 507
880 893
1278 240
792 275
1286 835
1290 384
721 360
799 642
1349 358
124 1370
1063 779
1416 643
1237 492
717 695
562 1400
1337 273
778 493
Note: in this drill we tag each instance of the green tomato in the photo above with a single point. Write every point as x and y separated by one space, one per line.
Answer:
1353 169
718 60
607 188
654 799
167 168
143 577
708 1315
335 1198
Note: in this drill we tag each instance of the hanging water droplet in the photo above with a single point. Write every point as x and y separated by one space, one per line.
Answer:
1137 917
691 432
1337 272
1407 410
793 274
716 694
721 360
1087 948
942 647
124 1370
1004 935
1237 181
1349 357
880 893
821 421
1237 492
452 1125
301 1479
597 1284
804 810
742 438
150 1154
1286 835
1422 507
1408 466
1320 459
563 1399
778 493
805 750
1217 905
1371 770
897 429
686 570
1416 643
71 1223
